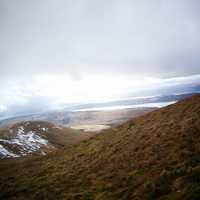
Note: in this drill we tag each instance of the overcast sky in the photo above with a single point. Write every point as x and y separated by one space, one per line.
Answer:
52 47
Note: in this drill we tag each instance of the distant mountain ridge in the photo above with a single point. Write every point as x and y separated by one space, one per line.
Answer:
136 101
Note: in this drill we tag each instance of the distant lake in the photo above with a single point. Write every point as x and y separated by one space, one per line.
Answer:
147 105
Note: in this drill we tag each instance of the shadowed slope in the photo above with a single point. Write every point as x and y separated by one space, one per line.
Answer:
156 156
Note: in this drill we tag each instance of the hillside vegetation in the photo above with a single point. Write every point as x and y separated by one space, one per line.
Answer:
156 156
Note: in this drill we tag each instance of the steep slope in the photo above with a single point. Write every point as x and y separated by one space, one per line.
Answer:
156 156
35 137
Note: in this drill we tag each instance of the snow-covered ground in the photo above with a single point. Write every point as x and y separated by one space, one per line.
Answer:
26 142
5 153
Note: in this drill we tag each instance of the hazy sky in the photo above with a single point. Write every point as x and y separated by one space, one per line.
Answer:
70 47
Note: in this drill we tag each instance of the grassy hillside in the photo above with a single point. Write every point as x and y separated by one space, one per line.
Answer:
156 156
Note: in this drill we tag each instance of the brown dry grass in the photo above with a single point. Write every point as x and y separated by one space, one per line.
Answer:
156 156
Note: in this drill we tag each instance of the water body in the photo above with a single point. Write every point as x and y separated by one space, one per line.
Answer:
147 105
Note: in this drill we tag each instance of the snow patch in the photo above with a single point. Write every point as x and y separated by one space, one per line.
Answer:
43 153
5 153
44 129
28 142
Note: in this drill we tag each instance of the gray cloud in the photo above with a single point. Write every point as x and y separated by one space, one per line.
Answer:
86 36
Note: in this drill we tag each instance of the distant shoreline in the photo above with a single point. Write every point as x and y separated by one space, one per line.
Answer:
146 105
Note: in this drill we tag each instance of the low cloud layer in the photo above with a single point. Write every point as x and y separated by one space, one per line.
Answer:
57 92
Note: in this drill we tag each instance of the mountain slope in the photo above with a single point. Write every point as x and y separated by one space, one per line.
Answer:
156 156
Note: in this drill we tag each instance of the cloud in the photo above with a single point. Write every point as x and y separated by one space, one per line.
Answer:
65 47
145 38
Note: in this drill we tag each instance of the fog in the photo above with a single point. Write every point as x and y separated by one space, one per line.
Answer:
54 53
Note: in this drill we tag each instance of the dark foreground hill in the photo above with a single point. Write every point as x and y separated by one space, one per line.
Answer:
156 156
